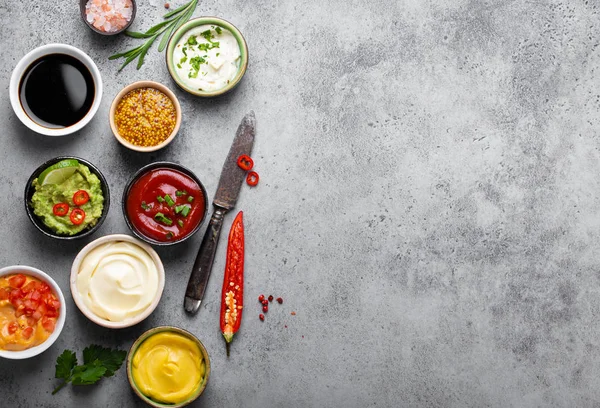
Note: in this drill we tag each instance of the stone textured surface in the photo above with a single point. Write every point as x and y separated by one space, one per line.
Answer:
428 203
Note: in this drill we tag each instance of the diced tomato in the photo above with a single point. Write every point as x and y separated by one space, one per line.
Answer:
44 287
31 286
42 309
17 281
15 294
36 295
27 332
51 313
12 327
4 293
53 303
31 321
48 324
20 311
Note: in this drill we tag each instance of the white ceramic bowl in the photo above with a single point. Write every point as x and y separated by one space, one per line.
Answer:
36 54
89 313
60 322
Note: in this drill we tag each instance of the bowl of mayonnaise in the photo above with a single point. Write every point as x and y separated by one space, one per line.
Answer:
117 281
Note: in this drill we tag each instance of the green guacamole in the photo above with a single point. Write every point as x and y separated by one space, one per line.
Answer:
46 196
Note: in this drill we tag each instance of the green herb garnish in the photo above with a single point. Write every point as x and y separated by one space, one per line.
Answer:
160 199
173 20
179 66
218 53
180 223
184 49
178 208
190 199
163 218
98 362
218 30
185 210
195 64
145 206
192 40
180 193
169 200
169 235
182 60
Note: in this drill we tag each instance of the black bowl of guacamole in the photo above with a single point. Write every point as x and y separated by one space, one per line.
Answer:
39 209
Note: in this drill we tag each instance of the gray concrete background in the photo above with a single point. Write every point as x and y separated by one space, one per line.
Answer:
428 203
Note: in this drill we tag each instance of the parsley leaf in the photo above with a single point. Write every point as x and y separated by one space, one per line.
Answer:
88 374
64 364
192 40
195 63
98 362
111 359
218 30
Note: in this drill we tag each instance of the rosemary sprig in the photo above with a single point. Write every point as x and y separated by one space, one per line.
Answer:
174 19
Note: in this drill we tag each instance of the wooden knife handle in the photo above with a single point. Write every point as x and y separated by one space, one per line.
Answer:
204 262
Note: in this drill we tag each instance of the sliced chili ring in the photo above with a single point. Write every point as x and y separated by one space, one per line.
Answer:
60 209
245 162
252 178
81 197
77 216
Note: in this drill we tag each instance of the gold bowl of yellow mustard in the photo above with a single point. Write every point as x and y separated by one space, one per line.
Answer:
168 367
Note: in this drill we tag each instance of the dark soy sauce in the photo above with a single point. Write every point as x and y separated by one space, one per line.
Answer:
57 91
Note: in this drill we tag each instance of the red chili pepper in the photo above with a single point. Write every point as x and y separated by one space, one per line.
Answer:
245 162
60 209
232 295
252 178
81 197
77 216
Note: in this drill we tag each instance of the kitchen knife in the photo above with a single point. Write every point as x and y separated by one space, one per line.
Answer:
226 196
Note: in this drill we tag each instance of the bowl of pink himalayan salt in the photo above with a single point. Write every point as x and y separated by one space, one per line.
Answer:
107 17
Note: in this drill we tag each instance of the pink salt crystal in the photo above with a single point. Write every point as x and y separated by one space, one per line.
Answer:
109 15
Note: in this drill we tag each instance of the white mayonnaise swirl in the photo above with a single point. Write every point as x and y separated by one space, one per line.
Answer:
207 58
117 280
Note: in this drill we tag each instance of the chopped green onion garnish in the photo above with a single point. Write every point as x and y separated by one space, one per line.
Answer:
180 193
145 206
163 218
169 200
180 223
190 199
185 210
160 199
169 235
178 208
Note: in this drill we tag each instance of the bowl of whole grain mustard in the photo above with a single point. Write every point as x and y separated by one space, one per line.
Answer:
145 116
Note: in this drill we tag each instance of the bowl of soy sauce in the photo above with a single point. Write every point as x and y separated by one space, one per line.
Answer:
55 89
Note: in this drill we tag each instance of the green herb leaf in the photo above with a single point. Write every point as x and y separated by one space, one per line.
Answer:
160 199
64 364
192 40
169 200
218 30
173 20
88 374
163 218
98 362
180 193
190 199
186 210
111 359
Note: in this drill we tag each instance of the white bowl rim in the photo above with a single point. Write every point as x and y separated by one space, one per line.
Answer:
60 322
81 304
35 54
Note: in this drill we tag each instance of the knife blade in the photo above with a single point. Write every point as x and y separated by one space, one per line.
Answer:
228 190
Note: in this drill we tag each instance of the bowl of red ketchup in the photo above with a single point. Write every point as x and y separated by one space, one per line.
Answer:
164 203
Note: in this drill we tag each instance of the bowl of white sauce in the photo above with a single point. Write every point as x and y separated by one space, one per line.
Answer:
207 56
117 281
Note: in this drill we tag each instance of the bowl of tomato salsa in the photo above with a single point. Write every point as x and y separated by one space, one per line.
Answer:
32 312
164 203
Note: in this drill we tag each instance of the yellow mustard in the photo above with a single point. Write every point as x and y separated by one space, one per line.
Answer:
168 367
